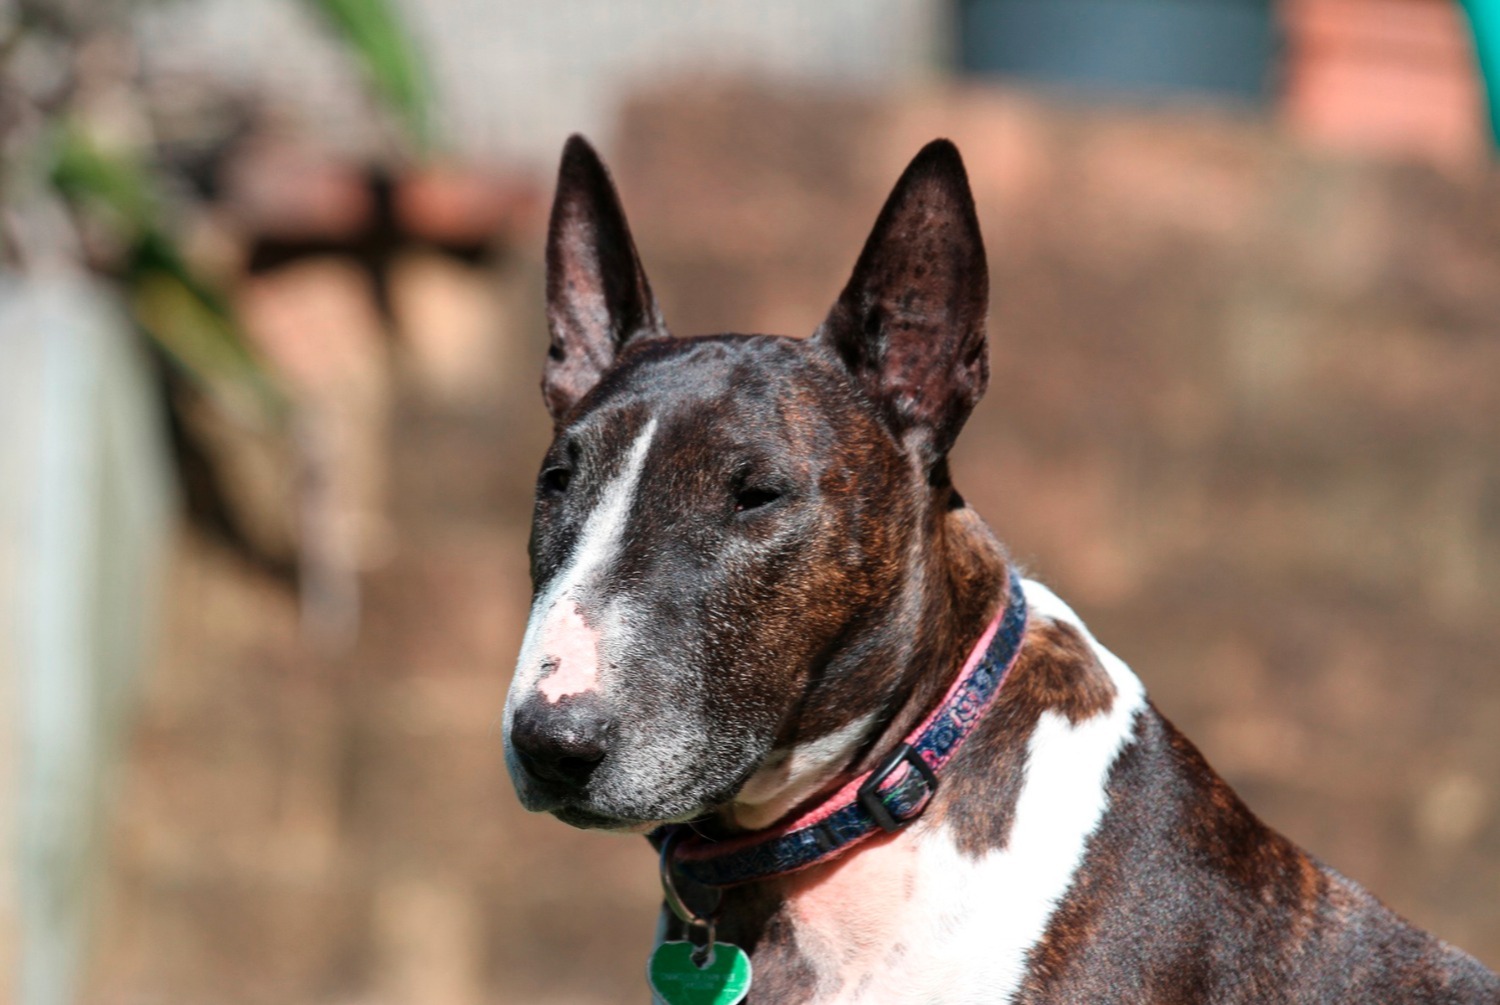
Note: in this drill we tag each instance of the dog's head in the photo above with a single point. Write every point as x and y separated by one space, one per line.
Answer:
729 529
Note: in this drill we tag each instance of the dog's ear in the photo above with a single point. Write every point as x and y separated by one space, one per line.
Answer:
598 298
910 323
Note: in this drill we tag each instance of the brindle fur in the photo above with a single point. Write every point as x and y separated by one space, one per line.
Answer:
863 594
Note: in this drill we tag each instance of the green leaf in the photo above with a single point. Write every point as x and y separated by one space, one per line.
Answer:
176 307
94 179
195 326
373 30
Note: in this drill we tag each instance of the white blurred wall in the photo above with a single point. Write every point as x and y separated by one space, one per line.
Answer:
85 501
514 77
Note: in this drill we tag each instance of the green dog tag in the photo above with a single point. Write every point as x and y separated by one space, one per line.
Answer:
677 980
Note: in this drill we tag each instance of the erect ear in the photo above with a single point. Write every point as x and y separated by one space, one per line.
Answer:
910 323
597 295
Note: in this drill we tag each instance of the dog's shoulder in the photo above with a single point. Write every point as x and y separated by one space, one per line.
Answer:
1179 891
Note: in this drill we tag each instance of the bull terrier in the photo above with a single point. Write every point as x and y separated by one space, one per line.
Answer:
881 765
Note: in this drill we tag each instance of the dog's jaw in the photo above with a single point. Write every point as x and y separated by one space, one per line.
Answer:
792 775
584 820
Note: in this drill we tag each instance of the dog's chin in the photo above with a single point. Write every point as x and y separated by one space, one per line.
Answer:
582 812
584 819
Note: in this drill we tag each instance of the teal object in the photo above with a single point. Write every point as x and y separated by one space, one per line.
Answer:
1137 49
1484 18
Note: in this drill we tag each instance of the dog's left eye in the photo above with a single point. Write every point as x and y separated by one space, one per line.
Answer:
754 498
555 481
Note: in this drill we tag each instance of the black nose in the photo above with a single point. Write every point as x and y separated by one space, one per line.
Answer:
564 742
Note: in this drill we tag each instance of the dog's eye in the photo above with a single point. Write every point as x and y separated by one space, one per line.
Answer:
754 498
555 480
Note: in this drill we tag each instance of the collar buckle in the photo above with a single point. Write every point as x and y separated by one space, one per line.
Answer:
880 811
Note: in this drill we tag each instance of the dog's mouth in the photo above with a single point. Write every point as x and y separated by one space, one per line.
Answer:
635 812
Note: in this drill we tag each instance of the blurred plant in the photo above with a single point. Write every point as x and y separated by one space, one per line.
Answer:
88 181
188 318
374 34
115 190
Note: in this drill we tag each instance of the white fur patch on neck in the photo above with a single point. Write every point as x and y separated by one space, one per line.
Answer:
970 923
791 775
597 545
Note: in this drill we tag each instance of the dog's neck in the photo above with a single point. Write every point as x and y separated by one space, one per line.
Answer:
959 583
909 654
994 851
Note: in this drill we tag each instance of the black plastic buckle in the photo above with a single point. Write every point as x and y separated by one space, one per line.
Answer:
869 794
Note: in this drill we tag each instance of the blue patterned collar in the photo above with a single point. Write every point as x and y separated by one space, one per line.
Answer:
881 801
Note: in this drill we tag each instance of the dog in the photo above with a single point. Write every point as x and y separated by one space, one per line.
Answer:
768 631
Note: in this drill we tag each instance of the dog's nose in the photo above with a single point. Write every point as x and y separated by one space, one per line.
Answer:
563 742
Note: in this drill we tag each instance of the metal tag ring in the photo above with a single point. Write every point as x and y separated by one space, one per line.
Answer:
669 889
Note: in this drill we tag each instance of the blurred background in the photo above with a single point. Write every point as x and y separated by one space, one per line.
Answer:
270 334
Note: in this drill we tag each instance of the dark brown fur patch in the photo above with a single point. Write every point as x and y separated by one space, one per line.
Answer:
1058 671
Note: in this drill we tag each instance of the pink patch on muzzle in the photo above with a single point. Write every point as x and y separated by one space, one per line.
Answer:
569 642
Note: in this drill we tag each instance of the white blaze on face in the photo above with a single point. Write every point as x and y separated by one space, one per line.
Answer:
557 636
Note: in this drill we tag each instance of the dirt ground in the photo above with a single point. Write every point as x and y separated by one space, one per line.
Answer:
1244 415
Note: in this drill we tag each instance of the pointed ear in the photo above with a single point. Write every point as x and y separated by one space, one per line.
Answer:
910 323
598 298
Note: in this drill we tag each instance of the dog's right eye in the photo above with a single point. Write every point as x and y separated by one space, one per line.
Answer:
555 480
754 498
